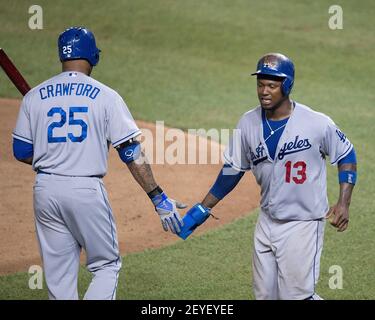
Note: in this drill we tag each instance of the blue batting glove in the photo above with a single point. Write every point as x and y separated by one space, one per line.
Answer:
194 218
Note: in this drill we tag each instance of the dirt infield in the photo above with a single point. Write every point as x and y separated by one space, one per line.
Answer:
138 226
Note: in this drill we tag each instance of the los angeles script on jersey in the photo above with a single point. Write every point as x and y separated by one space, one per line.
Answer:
259 155
297 145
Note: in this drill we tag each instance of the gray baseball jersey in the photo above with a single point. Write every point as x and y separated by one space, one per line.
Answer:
70 119
293 186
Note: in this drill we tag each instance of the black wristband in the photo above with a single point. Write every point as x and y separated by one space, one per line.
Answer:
155 192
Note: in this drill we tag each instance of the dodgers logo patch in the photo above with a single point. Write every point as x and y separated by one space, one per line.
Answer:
297 145
270 62
259 155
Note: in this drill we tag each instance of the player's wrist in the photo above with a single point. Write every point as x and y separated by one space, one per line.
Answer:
205 206
157 196
343 203
154 192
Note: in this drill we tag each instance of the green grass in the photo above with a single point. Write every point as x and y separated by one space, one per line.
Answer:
185 270
188 63
217 265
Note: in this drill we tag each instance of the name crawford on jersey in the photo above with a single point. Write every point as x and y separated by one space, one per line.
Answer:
68 89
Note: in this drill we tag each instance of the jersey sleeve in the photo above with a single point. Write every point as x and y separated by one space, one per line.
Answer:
122 126
236 153
335 143
22 131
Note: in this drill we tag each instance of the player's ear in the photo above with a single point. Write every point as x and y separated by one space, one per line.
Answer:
90 70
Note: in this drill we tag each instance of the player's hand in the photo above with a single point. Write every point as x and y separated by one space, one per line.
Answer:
338 216
196 216
167 211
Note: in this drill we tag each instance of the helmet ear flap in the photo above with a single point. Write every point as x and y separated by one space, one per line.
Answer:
96 56
287 86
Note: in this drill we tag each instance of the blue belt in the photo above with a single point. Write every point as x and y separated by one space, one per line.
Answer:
43 172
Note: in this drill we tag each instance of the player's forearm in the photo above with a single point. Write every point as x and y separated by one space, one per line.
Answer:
210 200
346 189
226 181
142 173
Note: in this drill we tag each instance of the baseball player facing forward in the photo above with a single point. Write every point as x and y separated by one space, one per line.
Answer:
64 129
285 144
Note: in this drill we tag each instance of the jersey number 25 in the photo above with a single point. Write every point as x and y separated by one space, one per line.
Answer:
72 122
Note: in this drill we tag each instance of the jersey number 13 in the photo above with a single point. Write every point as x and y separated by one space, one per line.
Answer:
299 176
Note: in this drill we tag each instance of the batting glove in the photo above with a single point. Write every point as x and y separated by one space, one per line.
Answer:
167 211
196 216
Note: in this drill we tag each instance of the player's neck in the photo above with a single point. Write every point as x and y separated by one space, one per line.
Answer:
281 112
77 65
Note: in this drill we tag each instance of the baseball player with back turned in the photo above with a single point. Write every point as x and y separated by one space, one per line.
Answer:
285 143
64 129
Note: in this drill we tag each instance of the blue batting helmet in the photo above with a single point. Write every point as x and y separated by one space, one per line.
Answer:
78 43
278 65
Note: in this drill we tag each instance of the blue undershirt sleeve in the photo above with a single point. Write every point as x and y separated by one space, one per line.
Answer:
22 150
350 158
227 179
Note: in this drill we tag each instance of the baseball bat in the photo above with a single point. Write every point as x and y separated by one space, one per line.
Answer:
13 74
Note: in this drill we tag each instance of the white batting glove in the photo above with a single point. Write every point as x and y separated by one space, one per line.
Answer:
167 211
